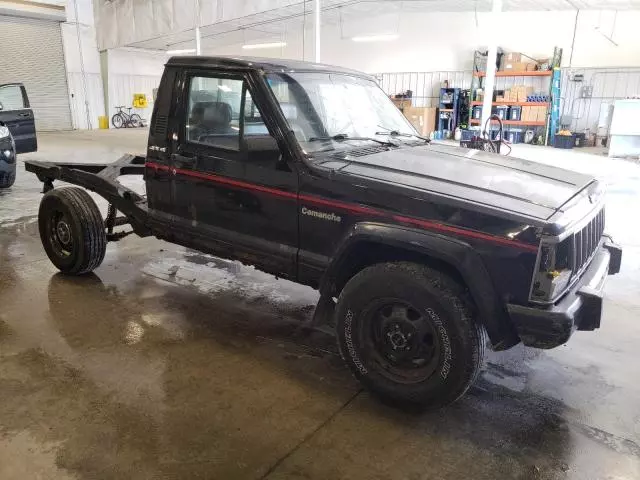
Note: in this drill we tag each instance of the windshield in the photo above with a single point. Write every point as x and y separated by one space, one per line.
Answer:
319 105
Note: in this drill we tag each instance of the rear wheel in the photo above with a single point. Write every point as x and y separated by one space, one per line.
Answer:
72 230
118 120
408 334
136 120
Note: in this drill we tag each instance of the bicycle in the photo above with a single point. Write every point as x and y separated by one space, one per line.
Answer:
122 119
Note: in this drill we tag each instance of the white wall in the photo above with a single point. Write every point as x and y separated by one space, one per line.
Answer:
82 62
445 41
133 71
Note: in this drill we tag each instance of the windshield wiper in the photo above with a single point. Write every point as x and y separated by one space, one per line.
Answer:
396 133
341 137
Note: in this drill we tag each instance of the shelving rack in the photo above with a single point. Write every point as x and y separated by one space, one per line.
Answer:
479 73
448 109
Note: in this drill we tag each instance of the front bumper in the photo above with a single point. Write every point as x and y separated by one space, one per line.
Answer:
579 309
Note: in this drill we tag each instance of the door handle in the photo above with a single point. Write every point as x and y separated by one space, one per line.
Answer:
25 114
183 160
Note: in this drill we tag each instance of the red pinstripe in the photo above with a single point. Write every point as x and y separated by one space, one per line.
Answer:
349 207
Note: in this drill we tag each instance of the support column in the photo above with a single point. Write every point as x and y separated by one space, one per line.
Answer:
198 38
317 29
492 55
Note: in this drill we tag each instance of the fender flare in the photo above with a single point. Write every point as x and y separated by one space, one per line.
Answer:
452 251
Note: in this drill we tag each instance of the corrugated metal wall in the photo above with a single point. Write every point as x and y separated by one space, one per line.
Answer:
31 53
122 87
607 85
424 85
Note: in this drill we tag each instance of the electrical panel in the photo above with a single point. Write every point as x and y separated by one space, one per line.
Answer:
586 91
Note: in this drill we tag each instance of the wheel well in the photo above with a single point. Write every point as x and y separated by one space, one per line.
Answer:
365 254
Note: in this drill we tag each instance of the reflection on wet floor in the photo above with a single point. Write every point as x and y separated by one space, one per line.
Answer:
168 363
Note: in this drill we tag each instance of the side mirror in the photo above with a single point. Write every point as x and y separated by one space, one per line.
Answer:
261 144
1 106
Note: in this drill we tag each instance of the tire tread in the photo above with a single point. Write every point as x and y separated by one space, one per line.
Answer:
86 212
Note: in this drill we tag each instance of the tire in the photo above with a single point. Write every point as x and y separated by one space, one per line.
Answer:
118 120
7 179
72 230
136 120
407 333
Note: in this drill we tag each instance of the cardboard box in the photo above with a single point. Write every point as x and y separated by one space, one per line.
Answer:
509 58
514 67
528 114
523 93
422 118
531 66
541 115
401 103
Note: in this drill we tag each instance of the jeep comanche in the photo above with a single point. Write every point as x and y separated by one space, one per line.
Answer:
422 253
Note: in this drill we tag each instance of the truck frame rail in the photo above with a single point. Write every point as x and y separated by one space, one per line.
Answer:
102 179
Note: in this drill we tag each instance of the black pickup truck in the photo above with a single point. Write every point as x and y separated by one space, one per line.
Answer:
420 251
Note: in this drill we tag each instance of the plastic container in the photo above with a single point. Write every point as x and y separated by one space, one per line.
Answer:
515 113
564 141
503 112
514 135
581 139
467 135
476 112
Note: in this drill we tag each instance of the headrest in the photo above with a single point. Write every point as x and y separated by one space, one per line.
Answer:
217 113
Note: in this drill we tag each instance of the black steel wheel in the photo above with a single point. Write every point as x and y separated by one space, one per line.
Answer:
408 334
72 230
403 340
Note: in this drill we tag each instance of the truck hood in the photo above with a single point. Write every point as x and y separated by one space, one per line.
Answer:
526 188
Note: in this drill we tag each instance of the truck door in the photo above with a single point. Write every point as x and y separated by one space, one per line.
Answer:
231 179
16 114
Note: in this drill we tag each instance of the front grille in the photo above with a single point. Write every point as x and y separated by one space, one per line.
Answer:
586 240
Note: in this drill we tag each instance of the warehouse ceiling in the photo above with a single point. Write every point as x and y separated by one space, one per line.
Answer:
275 23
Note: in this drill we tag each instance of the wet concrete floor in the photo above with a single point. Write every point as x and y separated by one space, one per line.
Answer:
172 364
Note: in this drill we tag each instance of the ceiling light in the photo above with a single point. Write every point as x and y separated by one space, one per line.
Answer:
181 52
252 46
375 38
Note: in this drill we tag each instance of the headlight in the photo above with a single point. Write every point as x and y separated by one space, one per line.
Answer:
553 273
4 132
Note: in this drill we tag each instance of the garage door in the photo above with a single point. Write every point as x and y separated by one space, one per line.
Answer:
31 53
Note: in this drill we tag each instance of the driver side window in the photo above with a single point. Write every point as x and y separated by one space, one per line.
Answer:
214 111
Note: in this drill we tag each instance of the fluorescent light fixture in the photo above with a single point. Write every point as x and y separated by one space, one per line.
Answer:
181 52
375 38
254 46
224 88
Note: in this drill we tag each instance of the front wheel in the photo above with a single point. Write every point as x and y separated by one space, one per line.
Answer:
408 334
7 178
72 230
136 120
117 120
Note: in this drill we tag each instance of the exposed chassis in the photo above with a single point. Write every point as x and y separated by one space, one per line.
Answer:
102 179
